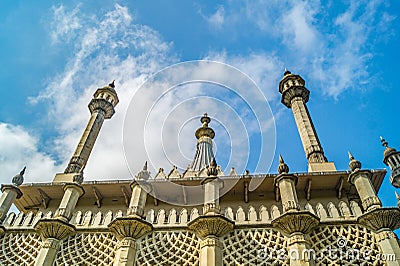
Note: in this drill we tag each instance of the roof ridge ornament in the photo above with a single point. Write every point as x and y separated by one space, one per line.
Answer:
354 164
283 168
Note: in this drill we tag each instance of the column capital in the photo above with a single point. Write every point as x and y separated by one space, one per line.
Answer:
54 228
132 227
13 188
381 218
285 176
296 221
357 173
216 225
102 105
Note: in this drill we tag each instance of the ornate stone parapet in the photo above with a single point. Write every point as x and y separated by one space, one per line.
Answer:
377 219
299 221
128 230
361 179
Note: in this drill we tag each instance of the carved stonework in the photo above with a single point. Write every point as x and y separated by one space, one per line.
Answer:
370 201
133 227
291 222
2 230
51 243
101 105
384 234
297 238
135 210
290 205
216 225
54 228
127 242
381 218
211 208
210 241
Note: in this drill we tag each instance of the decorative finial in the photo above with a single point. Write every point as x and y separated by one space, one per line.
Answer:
282 167
287 72
212 169
144 174
353 164
19 179
112 85
204 130
384 142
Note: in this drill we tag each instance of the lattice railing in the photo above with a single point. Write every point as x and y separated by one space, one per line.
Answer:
168 248
19 248
87 249
249 247
344 242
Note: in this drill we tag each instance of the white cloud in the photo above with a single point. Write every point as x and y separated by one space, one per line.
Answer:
18 149
65 23
216 20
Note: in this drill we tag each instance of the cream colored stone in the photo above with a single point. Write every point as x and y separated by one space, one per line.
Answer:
322 167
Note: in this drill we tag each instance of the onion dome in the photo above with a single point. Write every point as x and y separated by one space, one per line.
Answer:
283 168
353 164
19 179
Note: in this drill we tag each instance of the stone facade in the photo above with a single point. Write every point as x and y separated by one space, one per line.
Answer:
324 217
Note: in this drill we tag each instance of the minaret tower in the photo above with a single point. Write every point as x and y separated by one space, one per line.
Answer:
204 153
295 96
101 107
392 159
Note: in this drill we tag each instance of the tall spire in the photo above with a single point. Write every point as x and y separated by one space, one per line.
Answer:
295 96
101 107
391 157
204 153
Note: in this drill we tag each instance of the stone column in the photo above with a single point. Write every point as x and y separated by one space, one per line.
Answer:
10 193
287 187
72 193
129 229
212 184
52 231
384 221
362 181
297 225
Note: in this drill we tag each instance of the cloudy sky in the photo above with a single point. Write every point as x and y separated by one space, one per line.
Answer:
55 54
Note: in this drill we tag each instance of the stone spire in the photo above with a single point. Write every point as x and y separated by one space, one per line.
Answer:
391 157
295 96
204 153
353 164
282 167
101 107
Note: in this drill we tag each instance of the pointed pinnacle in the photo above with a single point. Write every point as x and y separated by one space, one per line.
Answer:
351 157
112 85
23 171
287 72
384 142
281 159
145 166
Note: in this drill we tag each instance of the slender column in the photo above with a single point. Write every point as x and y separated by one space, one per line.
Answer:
210 251
72 193
362 181
129 229
299 250
48 252
10 193
295 96
212 185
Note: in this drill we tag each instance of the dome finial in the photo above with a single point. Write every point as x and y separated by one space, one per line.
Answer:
353 164
112 85
287 72
204 130
282 167
19 179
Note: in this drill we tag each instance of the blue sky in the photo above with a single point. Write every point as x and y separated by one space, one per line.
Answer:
55 54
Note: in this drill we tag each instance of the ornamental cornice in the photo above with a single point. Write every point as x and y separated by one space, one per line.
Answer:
381 218
216 225
54 228
132 227
293 92
296 221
